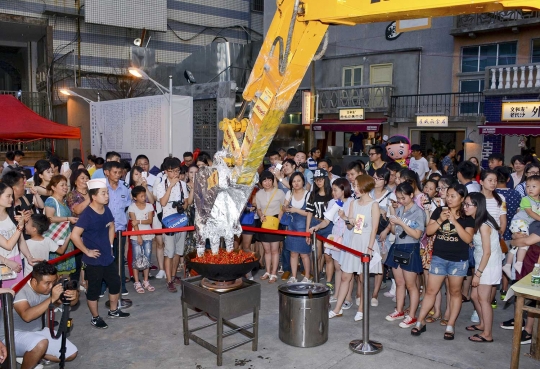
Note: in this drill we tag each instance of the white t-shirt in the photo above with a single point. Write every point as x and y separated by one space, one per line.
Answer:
495 210
420 166
297 203
142 215
7 229
174 196
39 250
473 187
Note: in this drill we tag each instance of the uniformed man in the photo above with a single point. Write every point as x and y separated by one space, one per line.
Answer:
119 201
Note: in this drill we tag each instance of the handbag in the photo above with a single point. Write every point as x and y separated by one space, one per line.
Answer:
383 222
504 246
141 262
286 219
175 220
247 217
270 222
402 257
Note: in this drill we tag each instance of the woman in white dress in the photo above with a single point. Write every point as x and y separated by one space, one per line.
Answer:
363 219
487 259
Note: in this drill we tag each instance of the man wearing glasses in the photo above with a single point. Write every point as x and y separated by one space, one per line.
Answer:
171 194
375 160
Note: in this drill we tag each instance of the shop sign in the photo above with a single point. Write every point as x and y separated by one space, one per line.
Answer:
432 121
516 111
306 108
351 114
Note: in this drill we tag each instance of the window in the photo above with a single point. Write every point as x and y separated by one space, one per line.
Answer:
535 54
477 58
470 104
257 5
352 76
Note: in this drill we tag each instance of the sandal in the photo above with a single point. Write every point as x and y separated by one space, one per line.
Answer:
138 287
479 338
148 286
449 336
444 322
416 331
473 328
331 314
265 276
432 319
464 298
273 278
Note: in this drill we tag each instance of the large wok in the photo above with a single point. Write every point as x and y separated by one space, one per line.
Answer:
221 272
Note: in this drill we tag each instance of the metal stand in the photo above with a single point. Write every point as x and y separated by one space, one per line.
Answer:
7 307
315 254
365 346
122 303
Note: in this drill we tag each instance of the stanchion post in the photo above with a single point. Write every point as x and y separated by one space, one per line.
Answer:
122 303
315 255
365 346
7 307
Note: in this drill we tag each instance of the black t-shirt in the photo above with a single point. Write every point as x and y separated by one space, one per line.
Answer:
317 204
448 245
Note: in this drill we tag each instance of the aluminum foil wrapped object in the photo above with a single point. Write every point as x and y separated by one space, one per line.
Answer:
219 202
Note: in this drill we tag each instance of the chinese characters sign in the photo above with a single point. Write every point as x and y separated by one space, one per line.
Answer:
432 121
351 114
521 111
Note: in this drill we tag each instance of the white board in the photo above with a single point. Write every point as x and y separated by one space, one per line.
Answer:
141 126
137 14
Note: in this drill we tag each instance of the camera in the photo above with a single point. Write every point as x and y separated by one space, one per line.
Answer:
303 165
67 285
179 206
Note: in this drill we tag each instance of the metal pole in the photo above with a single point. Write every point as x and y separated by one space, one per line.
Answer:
7 306
315 258
170 116
365 346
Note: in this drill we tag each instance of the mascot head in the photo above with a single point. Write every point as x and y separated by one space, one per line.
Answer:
398 149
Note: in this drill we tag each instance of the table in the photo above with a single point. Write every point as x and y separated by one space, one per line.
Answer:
524 290
223 306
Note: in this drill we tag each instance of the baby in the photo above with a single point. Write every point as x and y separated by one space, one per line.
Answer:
529 211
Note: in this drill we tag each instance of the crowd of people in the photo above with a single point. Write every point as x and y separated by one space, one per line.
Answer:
434 223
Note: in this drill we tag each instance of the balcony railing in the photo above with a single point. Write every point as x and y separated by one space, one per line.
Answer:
509 18
450 104
37 101
521 78
374 98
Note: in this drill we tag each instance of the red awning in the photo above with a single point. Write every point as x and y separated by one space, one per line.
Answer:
18 122
506 129
336 125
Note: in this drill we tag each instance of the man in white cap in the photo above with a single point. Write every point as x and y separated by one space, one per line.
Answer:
94 235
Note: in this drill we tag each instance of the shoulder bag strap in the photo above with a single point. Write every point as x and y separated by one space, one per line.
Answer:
269 201
385 196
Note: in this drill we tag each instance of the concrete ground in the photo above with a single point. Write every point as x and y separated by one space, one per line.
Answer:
152 338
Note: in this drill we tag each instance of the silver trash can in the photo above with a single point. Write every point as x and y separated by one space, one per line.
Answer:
303 314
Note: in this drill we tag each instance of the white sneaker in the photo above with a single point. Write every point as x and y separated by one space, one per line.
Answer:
389 294
358 317
292 280
407 322
346 305
306 280
374 302
475 318
357 301
333 299
161 274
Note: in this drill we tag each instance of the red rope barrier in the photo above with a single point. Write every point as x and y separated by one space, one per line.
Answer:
341 247
21 283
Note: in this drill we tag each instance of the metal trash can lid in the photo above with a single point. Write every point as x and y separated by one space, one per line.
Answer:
303 289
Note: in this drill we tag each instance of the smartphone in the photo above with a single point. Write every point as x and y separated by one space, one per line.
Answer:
65 167
29 184
144 174
445 208
278 166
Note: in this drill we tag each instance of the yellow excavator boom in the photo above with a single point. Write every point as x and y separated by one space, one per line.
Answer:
292 40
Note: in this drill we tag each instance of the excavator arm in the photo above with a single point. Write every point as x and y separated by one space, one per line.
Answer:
292 40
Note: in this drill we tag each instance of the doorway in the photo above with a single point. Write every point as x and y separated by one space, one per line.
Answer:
432 140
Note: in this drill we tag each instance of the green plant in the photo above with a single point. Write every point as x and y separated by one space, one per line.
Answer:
440 148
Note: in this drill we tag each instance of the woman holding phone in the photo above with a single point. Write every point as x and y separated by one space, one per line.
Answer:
454 232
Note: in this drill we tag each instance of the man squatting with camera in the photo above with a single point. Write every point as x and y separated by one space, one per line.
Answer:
32 342
94 235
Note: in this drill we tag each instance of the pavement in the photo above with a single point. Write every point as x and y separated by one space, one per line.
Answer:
152 338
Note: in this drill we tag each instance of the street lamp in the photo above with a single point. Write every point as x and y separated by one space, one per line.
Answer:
65 91
139 73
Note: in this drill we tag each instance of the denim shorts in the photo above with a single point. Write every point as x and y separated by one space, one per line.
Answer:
444 267
146 248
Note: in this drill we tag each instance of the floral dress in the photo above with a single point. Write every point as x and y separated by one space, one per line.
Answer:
58 232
